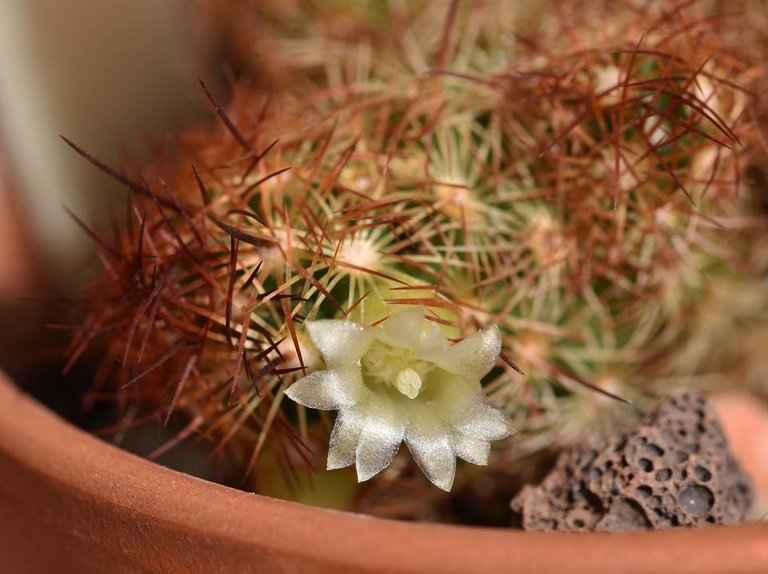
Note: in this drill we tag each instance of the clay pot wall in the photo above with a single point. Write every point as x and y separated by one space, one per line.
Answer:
72 503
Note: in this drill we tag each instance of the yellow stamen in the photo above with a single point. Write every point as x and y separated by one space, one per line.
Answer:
408 382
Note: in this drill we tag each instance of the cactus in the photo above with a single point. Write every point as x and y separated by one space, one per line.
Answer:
577 189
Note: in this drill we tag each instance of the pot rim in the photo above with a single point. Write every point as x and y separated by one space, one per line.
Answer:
215 526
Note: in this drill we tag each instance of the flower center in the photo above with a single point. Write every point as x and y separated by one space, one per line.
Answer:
408 382
394 368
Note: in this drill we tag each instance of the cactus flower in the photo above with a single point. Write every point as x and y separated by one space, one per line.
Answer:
403 381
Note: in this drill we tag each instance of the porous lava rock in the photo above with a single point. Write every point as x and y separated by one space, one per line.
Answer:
673 469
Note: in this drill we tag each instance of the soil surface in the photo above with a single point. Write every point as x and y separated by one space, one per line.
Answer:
673 469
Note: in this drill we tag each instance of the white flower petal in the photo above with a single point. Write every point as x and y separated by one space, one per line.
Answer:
344 438
453 394
340 342
328 390
471 449
432 339
473 357
484 421
434 455
403 329
379 441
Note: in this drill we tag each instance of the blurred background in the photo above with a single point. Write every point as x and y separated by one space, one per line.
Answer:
107 75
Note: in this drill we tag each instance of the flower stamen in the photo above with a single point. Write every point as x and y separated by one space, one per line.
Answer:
408 382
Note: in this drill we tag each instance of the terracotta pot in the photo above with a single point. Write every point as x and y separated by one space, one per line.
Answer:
72 503
746 424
